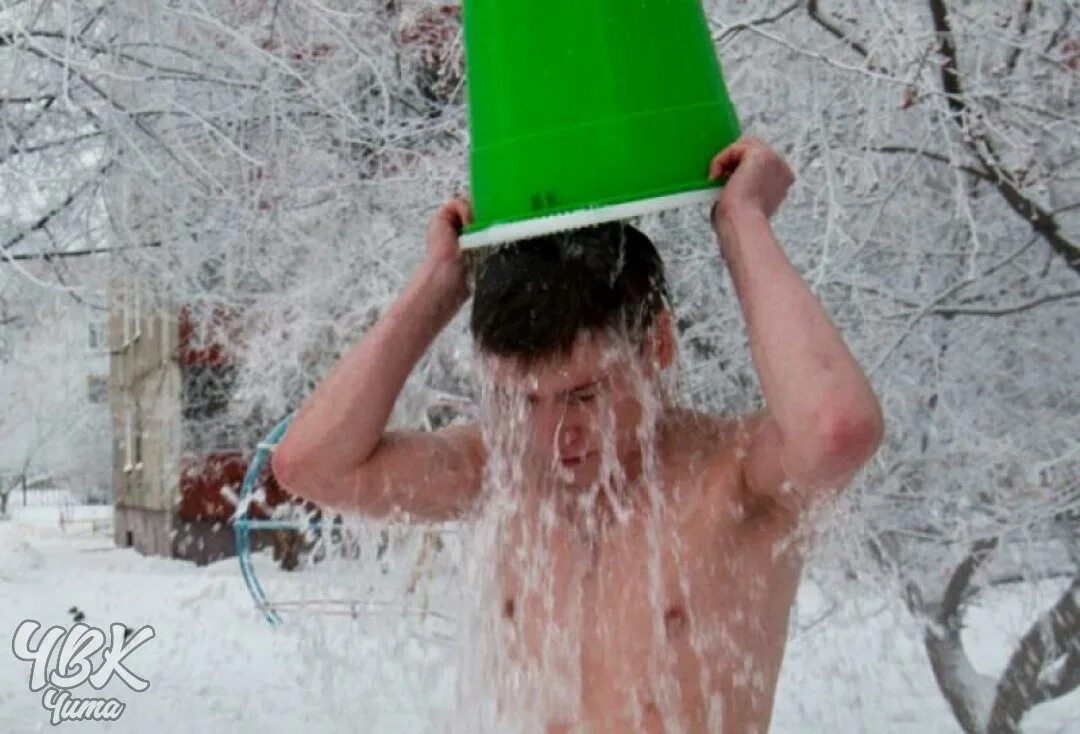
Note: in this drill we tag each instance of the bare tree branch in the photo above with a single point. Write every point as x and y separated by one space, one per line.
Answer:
1059 32
1061 680
930 155
1014 55
1041 220
44 220
62 254
952 668
1054 636
733 30
950 74
816 15
952 599
36 99
1006 310
937 300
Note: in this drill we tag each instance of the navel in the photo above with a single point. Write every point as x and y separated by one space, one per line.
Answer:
508 607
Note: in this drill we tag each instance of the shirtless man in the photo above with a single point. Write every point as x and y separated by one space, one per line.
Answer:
679 574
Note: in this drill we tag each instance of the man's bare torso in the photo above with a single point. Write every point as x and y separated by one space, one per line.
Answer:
602 656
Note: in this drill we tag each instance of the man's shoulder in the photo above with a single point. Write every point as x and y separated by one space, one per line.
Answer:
712 450
702 448
708 436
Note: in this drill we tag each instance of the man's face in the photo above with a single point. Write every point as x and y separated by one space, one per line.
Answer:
575 411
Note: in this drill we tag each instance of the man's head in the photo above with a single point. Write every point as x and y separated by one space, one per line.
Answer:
571 323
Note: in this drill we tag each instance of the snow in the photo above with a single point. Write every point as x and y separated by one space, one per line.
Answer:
216 665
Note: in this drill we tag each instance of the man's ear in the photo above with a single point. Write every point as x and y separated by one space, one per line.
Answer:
659 343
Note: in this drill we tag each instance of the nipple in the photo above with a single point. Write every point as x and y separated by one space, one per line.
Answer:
675 619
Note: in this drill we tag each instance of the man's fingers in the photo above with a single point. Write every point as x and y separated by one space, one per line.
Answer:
728 159
464 209
723 165
456 213
457 216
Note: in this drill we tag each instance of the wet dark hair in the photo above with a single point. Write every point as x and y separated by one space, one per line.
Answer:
531 299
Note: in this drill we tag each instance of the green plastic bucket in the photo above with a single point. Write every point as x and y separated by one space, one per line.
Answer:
588 111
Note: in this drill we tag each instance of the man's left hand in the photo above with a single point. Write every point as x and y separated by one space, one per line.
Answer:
757 178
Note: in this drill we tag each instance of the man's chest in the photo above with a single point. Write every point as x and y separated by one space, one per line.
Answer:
620 594
658 591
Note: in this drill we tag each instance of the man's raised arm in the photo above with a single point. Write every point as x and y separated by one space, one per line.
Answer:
822 420
337 452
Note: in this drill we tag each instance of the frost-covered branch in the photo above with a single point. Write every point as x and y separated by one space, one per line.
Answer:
819 18
978 142
1044 666
734 29
1007 310
967 692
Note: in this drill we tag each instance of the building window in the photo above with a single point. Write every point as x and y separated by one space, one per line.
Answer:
136 313
129 438
132 438
98 388
122 306
166 343
131 306
98 337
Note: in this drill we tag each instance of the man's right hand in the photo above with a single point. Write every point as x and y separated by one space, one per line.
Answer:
443 250
339 452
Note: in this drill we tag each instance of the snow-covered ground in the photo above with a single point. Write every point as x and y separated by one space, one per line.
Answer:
216 665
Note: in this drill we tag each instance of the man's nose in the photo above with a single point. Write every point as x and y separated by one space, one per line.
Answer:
570 439
571 433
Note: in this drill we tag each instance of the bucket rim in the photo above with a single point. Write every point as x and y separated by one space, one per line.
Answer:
503 233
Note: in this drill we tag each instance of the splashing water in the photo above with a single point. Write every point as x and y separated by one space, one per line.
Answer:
599 586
